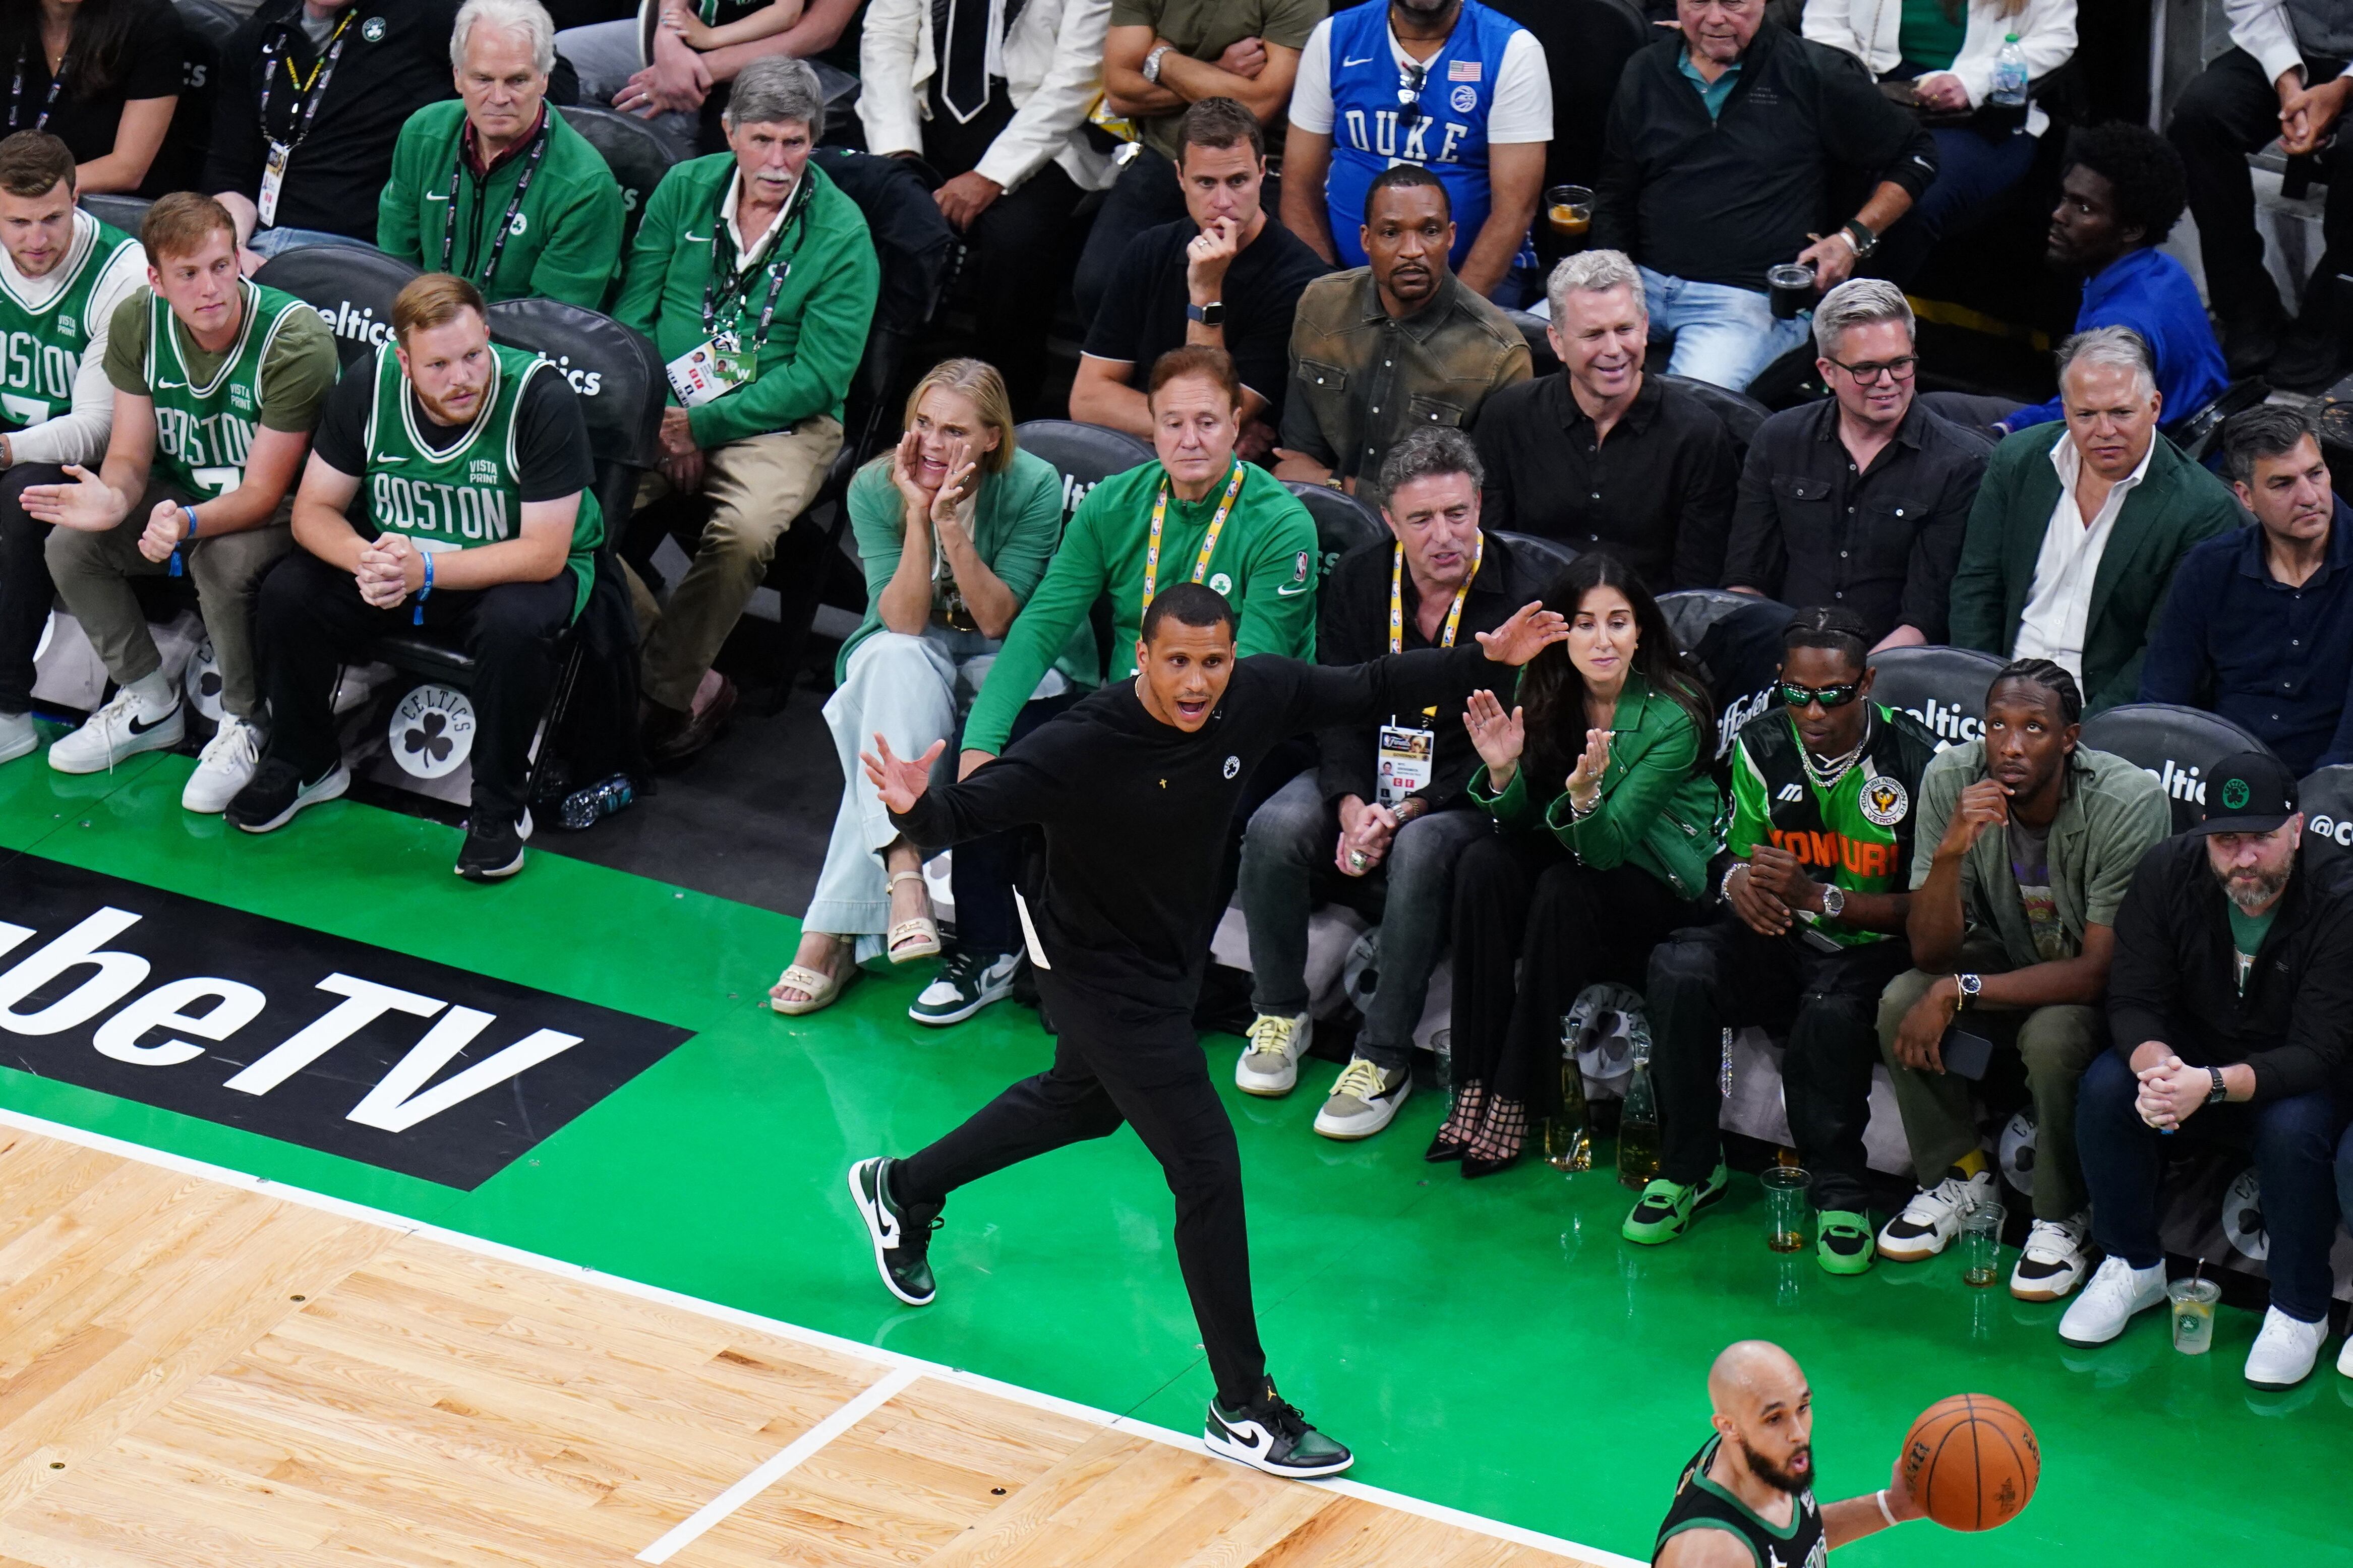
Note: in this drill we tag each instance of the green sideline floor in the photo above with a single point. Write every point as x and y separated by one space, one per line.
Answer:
1493 1346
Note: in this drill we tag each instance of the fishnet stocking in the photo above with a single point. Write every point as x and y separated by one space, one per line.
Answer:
1470 1102
1500 1134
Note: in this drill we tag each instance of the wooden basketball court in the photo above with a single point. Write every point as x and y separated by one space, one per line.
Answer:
198 1372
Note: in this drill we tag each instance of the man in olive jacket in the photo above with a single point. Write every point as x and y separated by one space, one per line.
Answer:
2077 527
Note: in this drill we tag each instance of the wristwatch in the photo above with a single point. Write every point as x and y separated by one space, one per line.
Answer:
1970 985
1864 241
1212 314
2219 1093
1834 901
1151 71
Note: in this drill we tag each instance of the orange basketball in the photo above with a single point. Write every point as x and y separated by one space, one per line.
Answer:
1971 1461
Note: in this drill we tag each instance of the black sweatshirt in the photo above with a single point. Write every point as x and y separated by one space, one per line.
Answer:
1136 812
2174 978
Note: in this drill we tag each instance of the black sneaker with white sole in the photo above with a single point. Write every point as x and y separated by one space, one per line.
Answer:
494 847
1272 1436
277 791
901 1233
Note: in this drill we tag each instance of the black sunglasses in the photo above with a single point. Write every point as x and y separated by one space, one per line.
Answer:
1409 80
1837 696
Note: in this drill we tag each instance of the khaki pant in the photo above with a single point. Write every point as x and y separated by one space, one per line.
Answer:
93 571
2058 1044
755 486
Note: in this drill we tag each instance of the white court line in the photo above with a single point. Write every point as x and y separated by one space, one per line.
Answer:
1480 1525
784 1461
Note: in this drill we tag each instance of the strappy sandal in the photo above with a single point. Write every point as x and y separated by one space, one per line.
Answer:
819 990
920 935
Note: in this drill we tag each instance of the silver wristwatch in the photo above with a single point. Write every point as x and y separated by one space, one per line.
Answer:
1151 71
1834 901
1969 985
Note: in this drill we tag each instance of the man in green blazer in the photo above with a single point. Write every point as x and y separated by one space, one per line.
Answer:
2077 527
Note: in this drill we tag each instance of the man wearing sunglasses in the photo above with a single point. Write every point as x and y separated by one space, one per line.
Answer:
1860 502
1815 898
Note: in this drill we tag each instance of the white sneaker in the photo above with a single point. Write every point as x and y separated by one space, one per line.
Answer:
2345 1358
114 733
19 736
1364 1101
2053 1262
1932 1217
2285 1350
225 767
2115 1294
1271 1066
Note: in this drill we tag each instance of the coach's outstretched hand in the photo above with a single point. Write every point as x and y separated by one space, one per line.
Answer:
1531 630
900 780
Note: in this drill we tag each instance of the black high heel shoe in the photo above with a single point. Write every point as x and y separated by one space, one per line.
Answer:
1442 1148
1474 1167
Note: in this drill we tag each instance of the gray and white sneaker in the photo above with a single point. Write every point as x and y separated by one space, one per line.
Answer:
116 733
966 983
1364 1101
2053 1262
225 766
2117 1293
1930 1219
1271 1066
19 736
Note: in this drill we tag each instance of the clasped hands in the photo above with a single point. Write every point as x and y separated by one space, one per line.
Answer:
1770 889
2171 1090
391 568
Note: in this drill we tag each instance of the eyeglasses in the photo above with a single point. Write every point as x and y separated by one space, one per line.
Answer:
1409 80
1898 369
1837 696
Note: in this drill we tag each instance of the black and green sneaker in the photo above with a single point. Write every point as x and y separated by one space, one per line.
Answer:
1270 1436
901 1233
1842 1242
1666 1209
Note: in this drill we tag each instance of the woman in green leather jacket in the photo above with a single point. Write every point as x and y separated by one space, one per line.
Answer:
1583 877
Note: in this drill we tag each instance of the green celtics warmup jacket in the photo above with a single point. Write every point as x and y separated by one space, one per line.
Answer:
564 242
819 333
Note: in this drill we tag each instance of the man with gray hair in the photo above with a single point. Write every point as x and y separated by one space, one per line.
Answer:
755 278
1603 456
497 187
1859 502
1380 821
2036 580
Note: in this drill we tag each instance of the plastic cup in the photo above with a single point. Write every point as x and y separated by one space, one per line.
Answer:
1568 210
2193 1314
1784 1206
1792 285
1981 1245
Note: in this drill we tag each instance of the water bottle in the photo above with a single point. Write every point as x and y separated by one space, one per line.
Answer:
2009 75
583 807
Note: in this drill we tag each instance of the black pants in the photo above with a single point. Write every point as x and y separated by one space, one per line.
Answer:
1116 1061
1726 976
2227 112
1021 261
1520 899
310 619
26 593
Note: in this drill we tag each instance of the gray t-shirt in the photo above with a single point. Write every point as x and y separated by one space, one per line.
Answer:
320 28
2029 862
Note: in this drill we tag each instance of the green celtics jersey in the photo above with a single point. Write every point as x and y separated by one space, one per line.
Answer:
204 430
1857 833
41 345
469 493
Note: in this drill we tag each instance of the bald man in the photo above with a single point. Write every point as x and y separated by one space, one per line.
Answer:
1747 1499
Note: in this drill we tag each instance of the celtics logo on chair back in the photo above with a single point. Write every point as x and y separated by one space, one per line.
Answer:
45 326
204 430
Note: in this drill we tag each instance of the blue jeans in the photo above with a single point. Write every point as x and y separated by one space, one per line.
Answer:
1723 334
1972 173
2294 1141
268 242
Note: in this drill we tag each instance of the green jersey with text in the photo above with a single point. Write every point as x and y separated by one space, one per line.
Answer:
41 345
205 430
471 492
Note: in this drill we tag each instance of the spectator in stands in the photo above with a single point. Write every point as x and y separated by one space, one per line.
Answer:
497 187
1603 457
2259 626
700 47
312 97
2211 1042
997 106
1225 277
1400 335
1159 58
1371 93
2283 77
477 471
1821 788
779 286
1944 50
1576 886
1586 45
1442 580
1859 502
226 379
954 528
2119 198
2077 528
62 275
1724 141
2025 844
102 75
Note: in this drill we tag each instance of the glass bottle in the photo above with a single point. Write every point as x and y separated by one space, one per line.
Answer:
1569 1140
1638 1120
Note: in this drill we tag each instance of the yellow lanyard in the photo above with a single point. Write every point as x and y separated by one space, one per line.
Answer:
304 87
1453 613
1208 540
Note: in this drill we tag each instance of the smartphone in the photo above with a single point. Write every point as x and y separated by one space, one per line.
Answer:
1966 1055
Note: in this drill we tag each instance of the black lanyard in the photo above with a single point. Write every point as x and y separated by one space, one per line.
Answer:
506 225
736 294
315 91
16 88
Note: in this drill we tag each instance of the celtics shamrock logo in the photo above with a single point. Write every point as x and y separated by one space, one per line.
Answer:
2235 795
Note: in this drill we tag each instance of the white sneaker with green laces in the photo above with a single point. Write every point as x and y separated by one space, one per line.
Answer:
1364 1101
1271 1066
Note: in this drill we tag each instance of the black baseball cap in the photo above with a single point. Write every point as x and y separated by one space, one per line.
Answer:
2251 792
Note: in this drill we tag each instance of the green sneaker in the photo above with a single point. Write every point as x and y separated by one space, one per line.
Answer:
1666 1209
1842 1242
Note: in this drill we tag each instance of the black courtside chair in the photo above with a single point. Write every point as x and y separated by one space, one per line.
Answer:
637 155
1944 687
1343 522
351 288
2179 745
125 213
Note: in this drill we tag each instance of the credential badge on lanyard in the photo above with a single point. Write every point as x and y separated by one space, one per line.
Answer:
313 91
